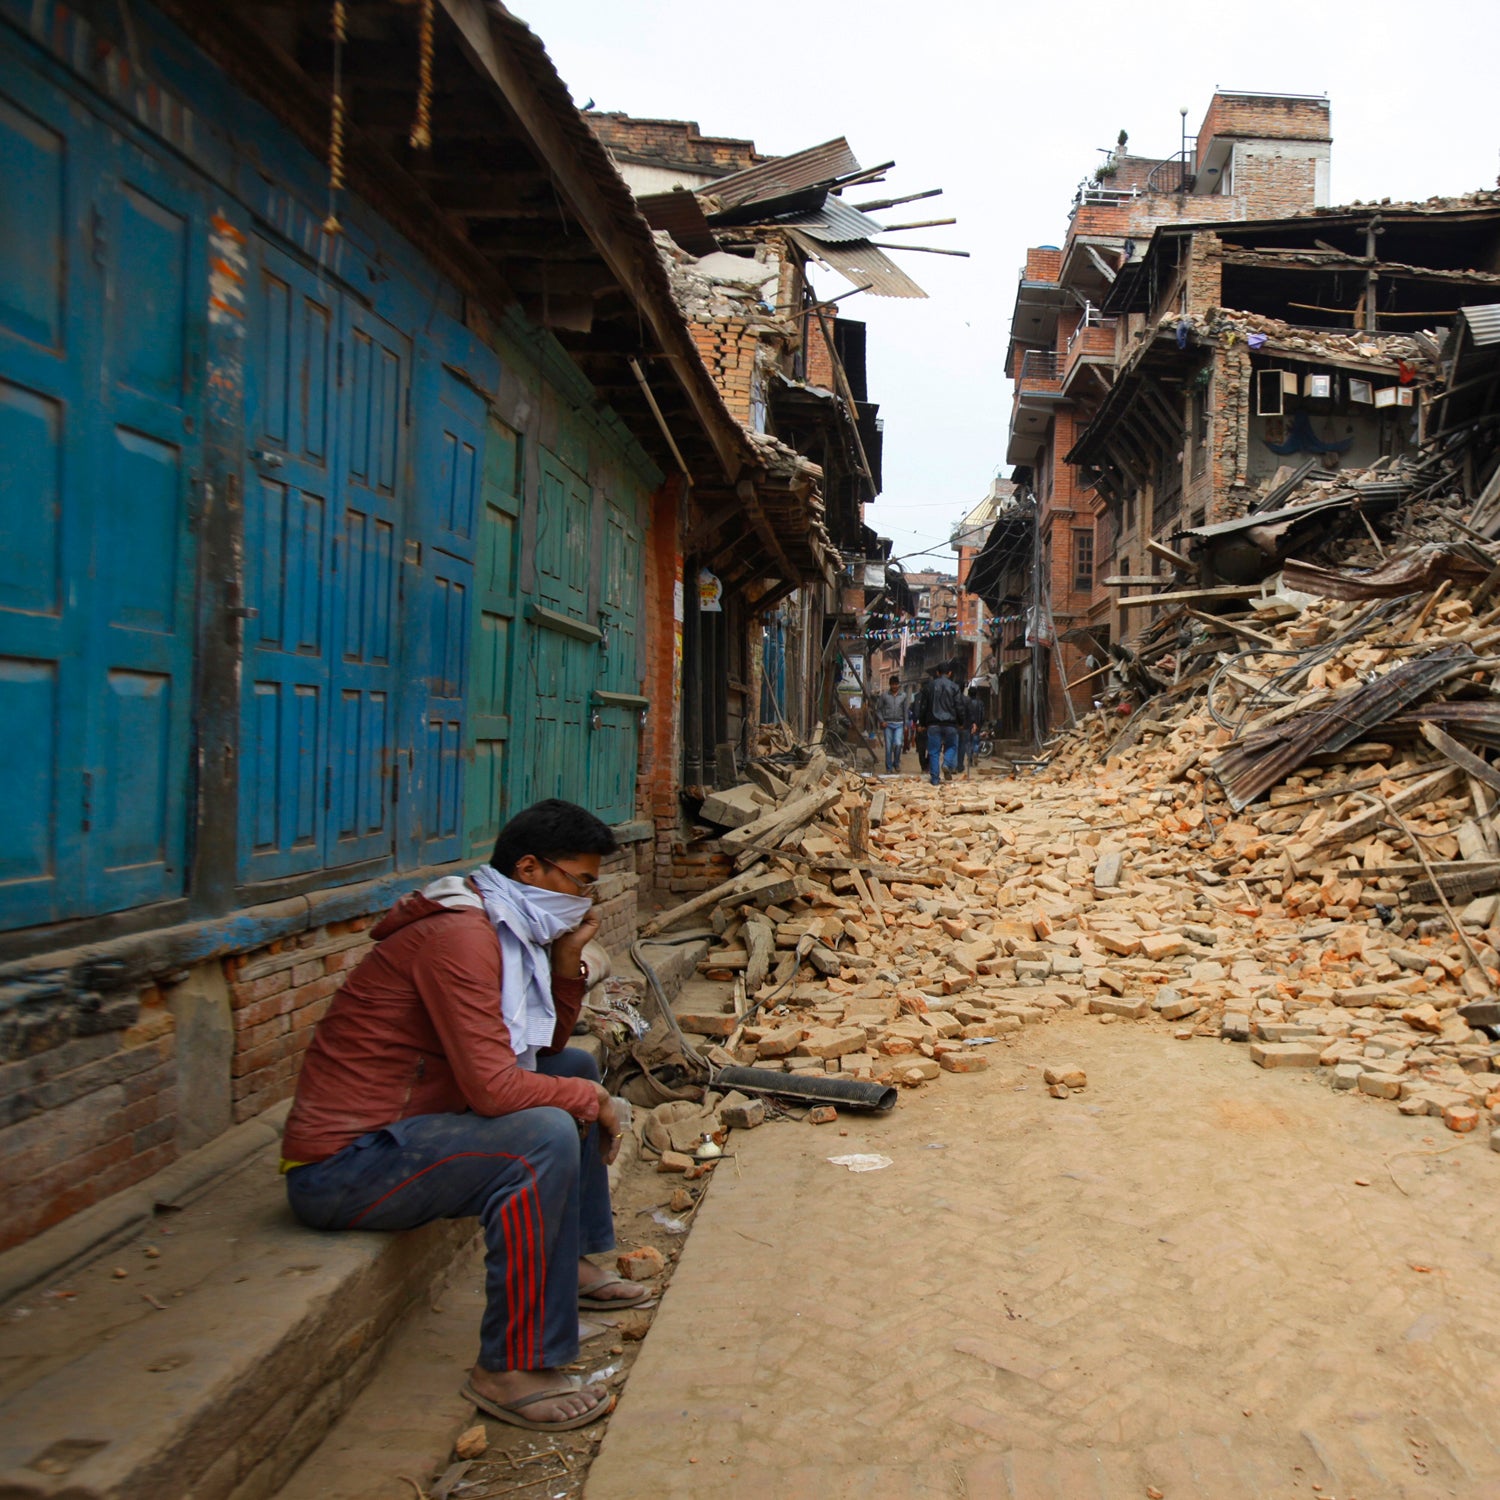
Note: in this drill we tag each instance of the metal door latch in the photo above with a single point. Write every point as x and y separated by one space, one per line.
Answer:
266 457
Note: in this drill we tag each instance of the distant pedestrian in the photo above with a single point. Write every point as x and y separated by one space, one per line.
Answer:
890 710
943 713
973 722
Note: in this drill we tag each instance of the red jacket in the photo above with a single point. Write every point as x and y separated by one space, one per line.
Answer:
417 1030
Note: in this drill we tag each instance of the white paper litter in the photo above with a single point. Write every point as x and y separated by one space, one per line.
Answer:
671 1225
861 1163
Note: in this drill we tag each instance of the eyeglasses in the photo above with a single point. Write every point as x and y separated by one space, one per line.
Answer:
585 884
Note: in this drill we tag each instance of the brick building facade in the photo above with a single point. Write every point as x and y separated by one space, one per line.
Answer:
1253 154
792 373
523 508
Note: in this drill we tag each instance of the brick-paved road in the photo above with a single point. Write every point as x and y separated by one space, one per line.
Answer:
1170 1280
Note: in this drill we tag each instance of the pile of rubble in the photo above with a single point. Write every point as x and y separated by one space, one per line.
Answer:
1290 840
869 932
1302 827
1261 331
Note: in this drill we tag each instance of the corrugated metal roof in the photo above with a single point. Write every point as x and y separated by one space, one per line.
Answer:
863 265
836 223
1484 322
681 215
785 174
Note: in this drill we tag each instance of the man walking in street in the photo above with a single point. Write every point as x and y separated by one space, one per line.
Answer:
973 722
890 710
959 758
944 712
439 1085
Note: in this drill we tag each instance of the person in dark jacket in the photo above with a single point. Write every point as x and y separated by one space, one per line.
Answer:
439 1085
973 721
944 714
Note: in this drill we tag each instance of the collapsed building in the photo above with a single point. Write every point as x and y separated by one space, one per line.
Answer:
777 596
1213 345
1276 384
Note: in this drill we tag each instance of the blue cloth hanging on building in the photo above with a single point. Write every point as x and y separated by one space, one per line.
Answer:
1301 438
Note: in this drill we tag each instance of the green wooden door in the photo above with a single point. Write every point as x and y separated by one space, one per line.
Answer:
554 709
495 632
615 736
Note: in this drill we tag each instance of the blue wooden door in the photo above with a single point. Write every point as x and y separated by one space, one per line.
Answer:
374 377
49 322
102 295
447 503
142 564
290 496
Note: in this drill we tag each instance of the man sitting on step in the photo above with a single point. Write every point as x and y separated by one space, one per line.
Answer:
439 1085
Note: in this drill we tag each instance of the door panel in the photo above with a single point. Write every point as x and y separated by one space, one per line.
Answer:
141 661
102 287
288 563
30 693
440 587
494 636
372 401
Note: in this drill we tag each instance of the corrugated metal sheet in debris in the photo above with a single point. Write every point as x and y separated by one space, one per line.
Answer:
772 179
681 215
1252 766
1423 569
864 265
1484 322
836 223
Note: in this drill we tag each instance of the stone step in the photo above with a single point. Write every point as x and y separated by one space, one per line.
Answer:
212 1366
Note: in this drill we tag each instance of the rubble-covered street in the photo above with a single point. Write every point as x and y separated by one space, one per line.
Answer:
1193 1278
1184 1274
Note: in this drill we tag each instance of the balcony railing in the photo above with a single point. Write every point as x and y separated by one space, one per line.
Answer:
1174 175
1095 333
1096 192
1041 367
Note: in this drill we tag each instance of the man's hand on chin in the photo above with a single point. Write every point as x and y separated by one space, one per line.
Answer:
567 951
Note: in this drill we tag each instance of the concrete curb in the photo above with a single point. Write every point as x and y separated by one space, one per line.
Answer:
121 1217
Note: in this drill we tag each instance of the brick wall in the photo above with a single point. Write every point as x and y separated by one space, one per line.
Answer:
1205 274
1067 508
1275 184
1043 264
659 778
619 881
1264 118
694 866
1229 432
728 348
676 142
819 362
86 1119
278 993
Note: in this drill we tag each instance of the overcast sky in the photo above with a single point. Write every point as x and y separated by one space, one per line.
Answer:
1004 107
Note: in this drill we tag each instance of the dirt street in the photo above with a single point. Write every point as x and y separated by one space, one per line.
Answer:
1193 1277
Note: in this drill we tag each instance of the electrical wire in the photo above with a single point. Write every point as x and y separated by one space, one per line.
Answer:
660 995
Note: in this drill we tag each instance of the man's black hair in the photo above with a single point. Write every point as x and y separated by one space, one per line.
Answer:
552 829
895 679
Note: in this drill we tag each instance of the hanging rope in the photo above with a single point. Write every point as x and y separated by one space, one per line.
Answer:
331 224
421 130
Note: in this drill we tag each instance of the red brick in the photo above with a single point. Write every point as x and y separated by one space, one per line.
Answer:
243 992
261 1011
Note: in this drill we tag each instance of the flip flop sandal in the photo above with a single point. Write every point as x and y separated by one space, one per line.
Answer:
590 1301
512 1411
